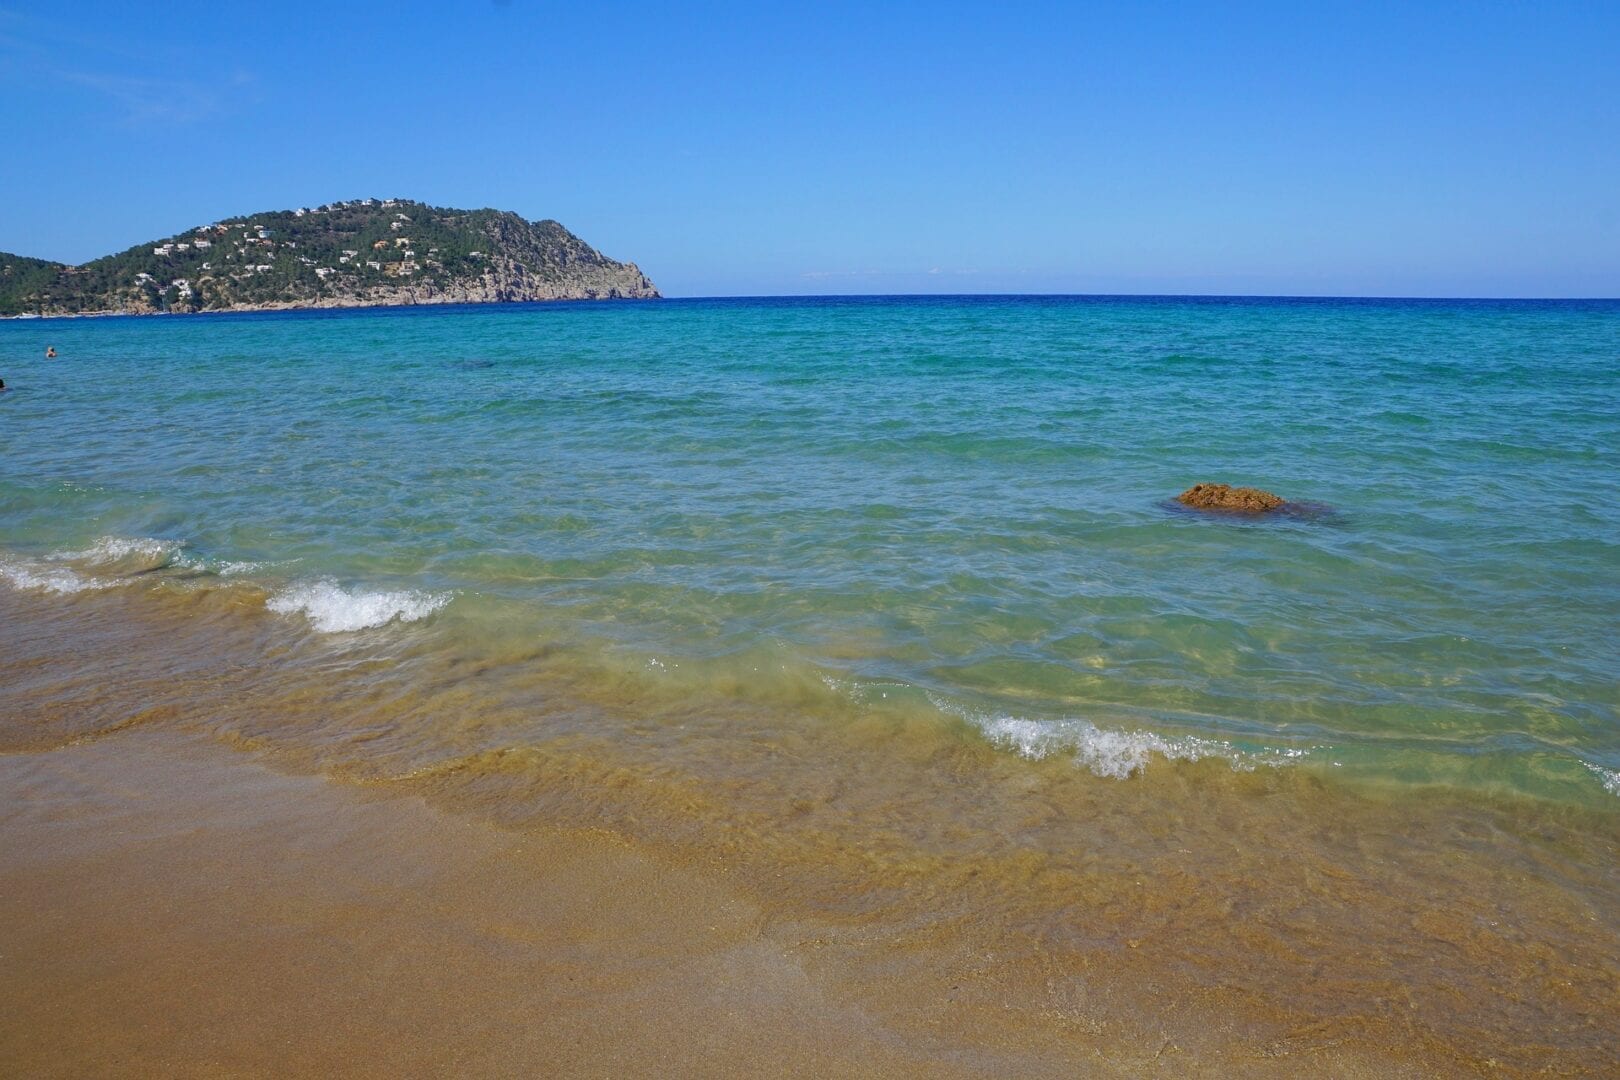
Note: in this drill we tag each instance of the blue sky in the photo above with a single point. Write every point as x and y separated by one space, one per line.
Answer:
1438 149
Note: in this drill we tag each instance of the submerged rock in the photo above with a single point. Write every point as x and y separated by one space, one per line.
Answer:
1246 500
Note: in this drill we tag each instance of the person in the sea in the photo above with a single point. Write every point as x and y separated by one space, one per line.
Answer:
2 386
50 352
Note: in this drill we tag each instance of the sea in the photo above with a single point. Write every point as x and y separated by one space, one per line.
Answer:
885 604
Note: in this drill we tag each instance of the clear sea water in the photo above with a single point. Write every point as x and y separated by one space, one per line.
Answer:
948 509
878 612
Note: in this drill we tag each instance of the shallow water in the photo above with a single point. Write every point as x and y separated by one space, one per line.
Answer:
877 606
955 503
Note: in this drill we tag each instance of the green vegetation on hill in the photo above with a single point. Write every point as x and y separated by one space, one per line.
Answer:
22 278
366 251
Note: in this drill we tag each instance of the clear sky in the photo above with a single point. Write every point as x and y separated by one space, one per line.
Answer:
1468 149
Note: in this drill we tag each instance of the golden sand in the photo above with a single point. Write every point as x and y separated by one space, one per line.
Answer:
230 851
171 908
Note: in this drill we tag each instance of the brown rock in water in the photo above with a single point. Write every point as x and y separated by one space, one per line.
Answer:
1226 497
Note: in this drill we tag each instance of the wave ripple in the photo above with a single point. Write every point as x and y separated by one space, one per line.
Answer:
332 609
1117 754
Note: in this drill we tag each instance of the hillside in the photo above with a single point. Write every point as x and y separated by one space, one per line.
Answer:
22 277
361 253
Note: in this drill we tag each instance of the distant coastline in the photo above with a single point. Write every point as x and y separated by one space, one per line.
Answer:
428 298
362 253
266 309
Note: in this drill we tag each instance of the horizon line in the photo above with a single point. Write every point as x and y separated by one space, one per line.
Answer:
1121 296
498 305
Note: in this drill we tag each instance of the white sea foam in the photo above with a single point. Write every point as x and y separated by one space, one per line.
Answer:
1609 778
147 552
235 567
103 565
1117 754
1110 752
21 574
332 609
222 567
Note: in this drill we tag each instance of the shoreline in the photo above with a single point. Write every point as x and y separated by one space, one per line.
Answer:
1211 298
1192 920
176 906
244 309
172 906
858 621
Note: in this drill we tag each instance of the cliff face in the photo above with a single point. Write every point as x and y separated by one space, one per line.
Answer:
357 254
544 261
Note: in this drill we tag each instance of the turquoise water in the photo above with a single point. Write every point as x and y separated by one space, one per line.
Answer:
953 505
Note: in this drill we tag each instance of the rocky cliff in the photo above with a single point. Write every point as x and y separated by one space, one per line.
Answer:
362 253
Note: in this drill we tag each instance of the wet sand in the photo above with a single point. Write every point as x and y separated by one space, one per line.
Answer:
172 908
228 851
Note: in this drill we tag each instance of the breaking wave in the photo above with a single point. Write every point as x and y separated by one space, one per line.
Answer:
1118 753
223 567
27 574
1114 753
331 608
131 553
1609 778
102 565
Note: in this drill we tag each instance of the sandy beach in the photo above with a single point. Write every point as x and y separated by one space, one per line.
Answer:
172 908
181 899
978 542
789 687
